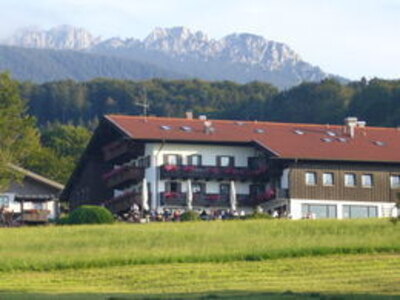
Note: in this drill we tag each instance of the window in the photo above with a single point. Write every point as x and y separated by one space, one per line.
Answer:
319 211
256 189
225 161
194 160
198 188
359 211
395 181
224 189
172 187
172 159
311 178
349 179
4 201
327 179
366 180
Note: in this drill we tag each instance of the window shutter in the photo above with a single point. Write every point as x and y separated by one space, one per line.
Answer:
165 159
232 161
179 187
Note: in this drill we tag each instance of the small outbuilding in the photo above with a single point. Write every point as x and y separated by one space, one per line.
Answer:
34 199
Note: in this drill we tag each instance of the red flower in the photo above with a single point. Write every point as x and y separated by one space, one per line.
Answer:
213 197
189 168
171 194
171 168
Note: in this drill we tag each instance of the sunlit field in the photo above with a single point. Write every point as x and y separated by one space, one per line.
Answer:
203 259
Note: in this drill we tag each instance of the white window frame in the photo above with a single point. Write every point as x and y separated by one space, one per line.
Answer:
364 183
395 181
354 178
325 177
309 175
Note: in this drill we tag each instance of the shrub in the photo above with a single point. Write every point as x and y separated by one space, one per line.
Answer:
190 216
257 216
62 220
90 214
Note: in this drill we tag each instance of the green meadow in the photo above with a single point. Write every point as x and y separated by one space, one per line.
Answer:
233 259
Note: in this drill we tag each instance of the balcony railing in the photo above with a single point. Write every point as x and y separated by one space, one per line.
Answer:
211 172
123 176
124 202
214 200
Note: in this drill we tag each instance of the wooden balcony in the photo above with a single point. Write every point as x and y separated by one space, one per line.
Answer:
173 199
123 177
121 150
124 202
211 173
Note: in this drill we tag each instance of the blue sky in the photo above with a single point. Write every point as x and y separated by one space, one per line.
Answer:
352 38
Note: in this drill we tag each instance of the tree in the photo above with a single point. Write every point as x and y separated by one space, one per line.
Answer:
18 135
62 146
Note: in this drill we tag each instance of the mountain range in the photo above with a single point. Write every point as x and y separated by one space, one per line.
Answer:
68 52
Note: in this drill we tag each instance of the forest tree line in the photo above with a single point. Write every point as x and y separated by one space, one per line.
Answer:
83 103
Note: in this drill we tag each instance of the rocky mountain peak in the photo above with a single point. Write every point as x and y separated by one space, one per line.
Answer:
59 37
176 40
240 57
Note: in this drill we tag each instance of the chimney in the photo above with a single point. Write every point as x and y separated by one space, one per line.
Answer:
208 128
350 125
189 115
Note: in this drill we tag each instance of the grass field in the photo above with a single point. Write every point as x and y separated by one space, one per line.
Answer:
241 259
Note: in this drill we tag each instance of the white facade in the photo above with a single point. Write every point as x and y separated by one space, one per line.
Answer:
383 209
295 208
15 206
209 153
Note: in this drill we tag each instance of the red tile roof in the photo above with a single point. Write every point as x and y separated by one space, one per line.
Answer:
320 142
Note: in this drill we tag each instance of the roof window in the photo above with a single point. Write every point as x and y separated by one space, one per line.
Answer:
166 127
298 131
327 140
259 130
186 128
380 143
331 133
239 123
342 140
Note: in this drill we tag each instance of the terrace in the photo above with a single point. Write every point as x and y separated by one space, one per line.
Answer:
124 202
215 200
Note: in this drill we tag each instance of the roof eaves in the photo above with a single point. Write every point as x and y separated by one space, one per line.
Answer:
261 144
37 177
119 127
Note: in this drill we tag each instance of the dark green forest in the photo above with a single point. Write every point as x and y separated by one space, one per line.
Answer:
62 114
83 103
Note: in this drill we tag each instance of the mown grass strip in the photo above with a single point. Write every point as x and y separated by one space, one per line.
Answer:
81 247
344 275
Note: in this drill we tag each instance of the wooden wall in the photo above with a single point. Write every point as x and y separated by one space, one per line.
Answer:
380 191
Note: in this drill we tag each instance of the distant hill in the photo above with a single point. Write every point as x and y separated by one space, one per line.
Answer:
42 65
237 57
